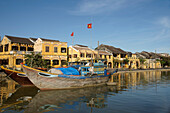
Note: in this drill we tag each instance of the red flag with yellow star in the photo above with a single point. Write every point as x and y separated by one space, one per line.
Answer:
89 26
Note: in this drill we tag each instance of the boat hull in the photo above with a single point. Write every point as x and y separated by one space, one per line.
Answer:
58 82
24 81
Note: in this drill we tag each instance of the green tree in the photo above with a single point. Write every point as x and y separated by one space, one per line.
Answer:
35 60
142 60
165 61
126 61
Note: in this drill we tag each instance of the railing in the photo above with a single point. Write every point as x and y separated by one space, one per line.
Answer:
132 58
22 52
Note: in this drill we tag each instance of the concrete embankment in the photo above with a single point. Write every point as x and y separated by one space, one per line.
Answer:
138 70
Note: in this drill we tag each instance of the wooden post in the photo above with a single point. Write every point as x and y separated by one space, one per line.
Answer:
111 78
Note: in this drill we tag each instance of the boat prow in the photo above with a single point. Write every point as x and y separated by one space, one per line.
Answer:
17 76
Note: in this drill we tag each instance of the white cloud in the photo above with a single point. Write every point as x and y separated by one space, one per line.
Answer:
91 7
164 21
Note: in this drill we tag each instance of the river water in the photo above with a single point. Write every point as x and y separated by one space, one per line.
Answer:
137 92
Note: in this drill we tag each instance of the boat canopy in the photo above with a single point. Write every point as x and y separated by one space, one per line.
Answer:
64 71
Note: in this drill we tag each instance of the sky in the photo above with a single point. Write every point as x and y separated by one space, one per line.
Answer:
132 25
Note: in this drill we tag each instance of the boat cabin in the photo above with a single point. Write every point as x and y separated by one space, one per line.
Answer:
97 68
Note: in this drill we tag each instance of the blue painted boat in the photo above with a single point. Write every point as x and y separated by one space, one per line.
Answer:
64 78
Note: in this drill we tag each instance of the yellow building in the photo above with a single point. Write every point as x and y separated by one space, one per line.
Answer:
13 49
106 57
53 51
151 63
79 53
120 57
134 62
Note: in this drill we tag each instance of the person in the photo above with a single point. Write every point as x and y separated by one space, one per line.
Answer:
105 71
91 70
79 69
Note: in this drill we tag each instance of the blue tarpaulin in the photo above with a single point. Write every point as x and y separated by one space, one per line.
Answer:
68 71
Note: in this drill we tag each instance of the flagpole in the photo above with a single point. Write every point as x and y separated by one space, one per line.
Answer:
91 39
90 28
72 49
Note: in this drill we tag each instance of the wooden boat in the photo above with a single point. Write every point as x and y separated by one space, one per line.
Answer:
17 76
64 78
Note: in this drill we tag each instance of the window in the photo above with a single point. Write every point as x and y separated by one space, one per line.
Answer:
104 56
5 62
55 49
123 55
48 62
30 49
63 50
6 47
75 55
18 61
83 69
1 48
69 56
14 48
82 55
115 55
95 56
88 55
100 56
22 48
109 56
55 62
47 49
63 62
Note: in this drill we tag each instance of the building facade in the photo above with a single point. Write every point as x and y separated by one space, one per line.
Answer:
53 51
13 50
79 53
106 57
121 59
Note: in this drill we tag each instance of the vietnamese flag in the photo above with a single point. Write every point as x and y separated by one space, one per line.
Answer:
89 26
72 34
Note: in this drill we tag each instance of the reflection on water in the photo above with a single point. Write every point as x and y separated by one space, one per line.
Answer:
53 100
7 87
135 92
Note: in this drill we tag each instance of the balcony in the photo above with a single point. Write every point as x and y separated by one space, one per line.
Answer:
22 52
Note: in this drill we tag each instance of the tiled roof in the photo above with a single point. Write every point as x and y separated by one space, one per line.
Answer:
147 55
19 40
112 49
101 52
81 47
49 40
33 39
